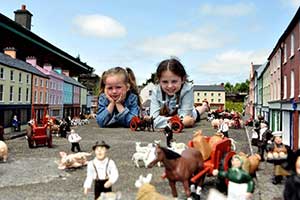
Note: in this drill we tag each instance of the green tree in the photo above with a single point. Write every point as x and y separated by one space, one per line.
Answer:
228 87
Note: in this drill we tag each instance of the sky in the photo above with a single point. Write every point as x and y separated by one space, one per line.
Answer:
215 40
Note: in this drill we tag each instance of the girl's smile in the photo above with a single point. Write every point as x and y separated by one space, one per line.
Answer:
170 82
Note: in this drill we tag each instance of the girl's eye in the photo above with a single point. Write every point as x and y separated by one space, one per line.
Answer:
109 88
164 82
118 87
174 81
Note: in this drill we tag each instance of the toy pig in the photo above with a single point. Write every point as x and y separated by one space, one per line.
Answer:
73 160
3 151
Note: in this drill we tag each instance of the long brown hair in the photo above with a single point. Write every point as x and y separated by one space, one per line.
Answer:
129 78
176 68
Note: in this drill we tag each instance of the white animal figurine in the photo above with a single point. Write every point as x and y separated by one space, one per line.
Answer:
178 147
139 148
139 156
3 151
73 160
142 153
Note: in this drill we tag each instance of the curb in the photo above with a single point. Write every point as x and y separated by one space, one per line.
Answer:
13 135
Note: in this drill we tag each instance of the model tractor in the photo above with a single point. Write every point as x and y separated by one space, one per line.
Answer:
39 135
141 123
176 124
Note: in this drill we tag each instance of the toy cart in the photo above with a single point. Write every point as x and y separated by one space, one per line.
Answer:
220 158
40 135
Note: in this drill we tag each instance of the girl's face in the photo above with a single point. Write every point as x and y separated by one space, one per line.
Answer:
100 152
170 82
115 86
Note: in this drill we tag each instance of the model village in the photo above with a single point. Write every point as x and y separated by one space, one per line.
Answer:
59 139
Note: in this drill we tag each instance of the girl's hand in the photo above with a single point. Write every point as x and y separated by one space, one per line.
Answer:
122 97
109 98
107 184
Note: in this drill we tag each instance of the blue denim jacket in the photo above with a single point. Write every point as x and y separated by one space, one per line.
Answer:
186 103
106 119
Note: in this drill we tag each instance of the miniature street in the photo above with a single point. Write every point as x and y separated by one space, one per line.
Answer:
33 173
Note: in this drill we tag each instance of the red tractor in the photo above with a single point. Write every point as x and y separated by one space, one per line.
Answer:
141 123
39 135
176 124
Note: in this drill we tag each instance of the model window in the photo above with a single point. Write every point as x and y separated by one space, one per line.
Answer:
2 73
20 94
20 77
11 75
1 92
11 93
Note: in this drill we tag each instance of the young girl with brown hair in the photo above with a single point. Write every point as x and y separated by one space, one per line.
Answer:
173 95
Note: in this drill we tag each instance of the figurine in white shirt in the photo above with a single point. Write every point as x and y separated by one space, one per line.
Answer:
74 139
102 170
224 127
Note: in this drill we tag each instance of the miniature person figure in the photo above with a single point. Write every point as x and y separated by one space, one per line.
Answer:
74 139
15 123
224 128
101 169
119 100
264 137
241 185
168 133
29 130
278 154
292 184
172 96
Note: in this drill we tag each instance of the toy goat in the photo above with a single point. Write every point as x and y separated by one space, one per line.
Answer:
142 152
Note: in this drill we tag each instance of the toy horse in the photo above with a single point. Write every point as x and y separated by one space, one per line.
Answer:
177 167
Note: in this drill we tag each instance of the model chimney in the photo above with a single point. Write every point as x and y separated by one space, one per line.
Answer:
31 60
23 17
11 51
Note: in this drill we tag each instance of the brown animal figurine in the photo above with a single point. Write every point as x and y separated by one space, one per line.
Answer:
178 167
146 190
200 143
250 163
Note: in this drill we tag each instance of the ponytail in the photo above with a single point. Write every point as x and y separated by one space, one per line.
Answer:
102 84
133 86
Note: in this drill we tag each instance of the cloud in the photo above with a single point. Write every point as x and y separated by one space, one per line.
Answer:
238 9
179 43
294 3
234 62
99 26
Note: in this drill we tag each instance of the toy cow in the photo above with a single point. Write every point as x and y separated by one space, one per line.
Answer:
73 160
3 151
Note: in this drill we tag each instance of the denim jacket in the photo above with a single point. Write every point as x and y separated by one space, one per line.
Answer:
186 104
106 119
